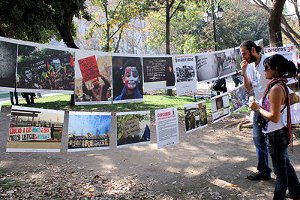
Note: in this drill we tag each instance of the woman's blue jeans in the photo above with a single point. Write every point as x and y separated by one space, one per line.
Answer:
285 173
260 142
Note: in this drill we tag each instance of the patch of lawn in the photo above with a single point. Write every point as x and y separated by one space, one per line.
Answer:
8 183
150 102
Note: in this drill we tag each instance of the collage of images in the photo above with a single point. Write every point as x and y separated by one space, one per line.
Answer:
41 130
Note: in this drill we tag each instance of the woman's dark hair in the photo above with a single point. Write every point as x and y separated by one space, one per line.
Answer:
284 67
248 44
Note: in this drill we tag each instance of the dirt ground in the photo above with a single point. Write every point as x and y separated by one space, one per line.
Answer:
210 163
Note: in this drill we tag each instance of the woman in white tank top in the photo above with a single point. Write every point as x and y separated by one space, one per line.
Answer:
275 100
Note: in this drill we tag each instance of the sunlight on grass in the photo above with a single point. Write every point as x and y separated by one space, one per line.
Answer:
150 102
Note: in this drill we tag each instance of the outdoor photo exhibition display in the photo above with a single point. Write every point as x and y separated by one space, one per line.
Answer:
35 130
220 107
93 78
8 61
88 131
133 128
44 68
127 79
239 98
195 116
212 65
185 70
167 129
289 52
158 73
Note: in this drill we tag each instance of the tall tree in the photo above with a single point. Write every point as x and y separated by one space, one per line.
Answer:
113 18
39 21
280 22
171 8
190 34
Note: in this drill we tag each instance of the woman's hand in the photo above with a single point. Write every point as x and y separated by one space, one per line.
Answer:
254 106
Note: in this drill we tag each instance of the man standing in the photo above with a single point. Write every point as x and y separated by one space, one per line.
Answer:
255 83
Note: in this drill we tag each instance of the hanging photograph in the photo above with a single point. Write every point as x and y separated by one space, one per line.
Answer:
40 68
93 79
167 129
88 131
35 130
158 73
239 97
133 128
195 116
206 66
226 63
220 107
8 60
185 70
127 79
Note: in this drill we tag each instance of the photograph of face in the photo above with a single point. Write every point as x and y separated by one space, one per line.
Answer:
127 78
131 78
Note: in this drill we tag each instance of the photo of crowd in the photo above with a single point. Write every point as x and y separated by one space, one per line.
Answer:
44 69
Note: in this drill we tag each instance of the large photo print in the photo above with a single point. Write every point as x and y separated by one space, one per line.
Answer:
88 131
133 128
93 78
35 130
40 69
158 73
127 79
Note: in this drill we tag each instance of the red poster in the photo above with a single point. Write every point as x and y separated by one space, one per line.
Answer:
89 68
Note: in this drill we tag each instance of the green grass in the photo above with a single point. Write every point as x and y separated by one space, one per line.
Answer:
8 183
150 102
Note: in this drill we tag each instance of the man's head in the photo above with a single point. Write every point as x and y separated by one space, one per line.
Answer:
250 51
28 74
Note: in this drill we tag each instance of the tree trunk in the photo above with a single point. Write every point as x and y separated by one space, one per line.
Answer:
275 35
65 29
168 29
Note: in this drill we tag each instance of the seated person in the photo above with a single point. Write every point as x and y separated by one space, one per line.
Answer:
220 85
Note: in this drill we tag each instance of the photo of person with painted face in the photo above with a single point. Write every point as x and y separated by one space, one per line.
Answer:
127 78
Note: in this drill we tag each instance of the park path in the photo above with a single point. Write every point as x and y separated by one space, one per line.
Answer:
210 163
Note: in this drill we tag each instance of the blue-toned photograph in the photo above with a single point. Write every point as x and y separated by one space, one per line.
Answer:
88 131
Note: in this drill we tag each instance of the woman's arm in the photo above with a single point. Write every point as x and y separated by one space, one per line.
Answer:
276 98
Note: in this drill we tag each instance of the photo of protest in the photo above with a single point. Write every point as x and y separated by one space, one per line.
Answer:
8 60
93 79
226 62
127 79
239 97
158 73
195 116
88 131
40 68
220 107
133 128
35 129
185 75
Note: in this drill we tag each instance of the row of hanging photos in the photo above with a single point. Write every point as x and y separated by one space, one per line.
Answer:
101 77
41 130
